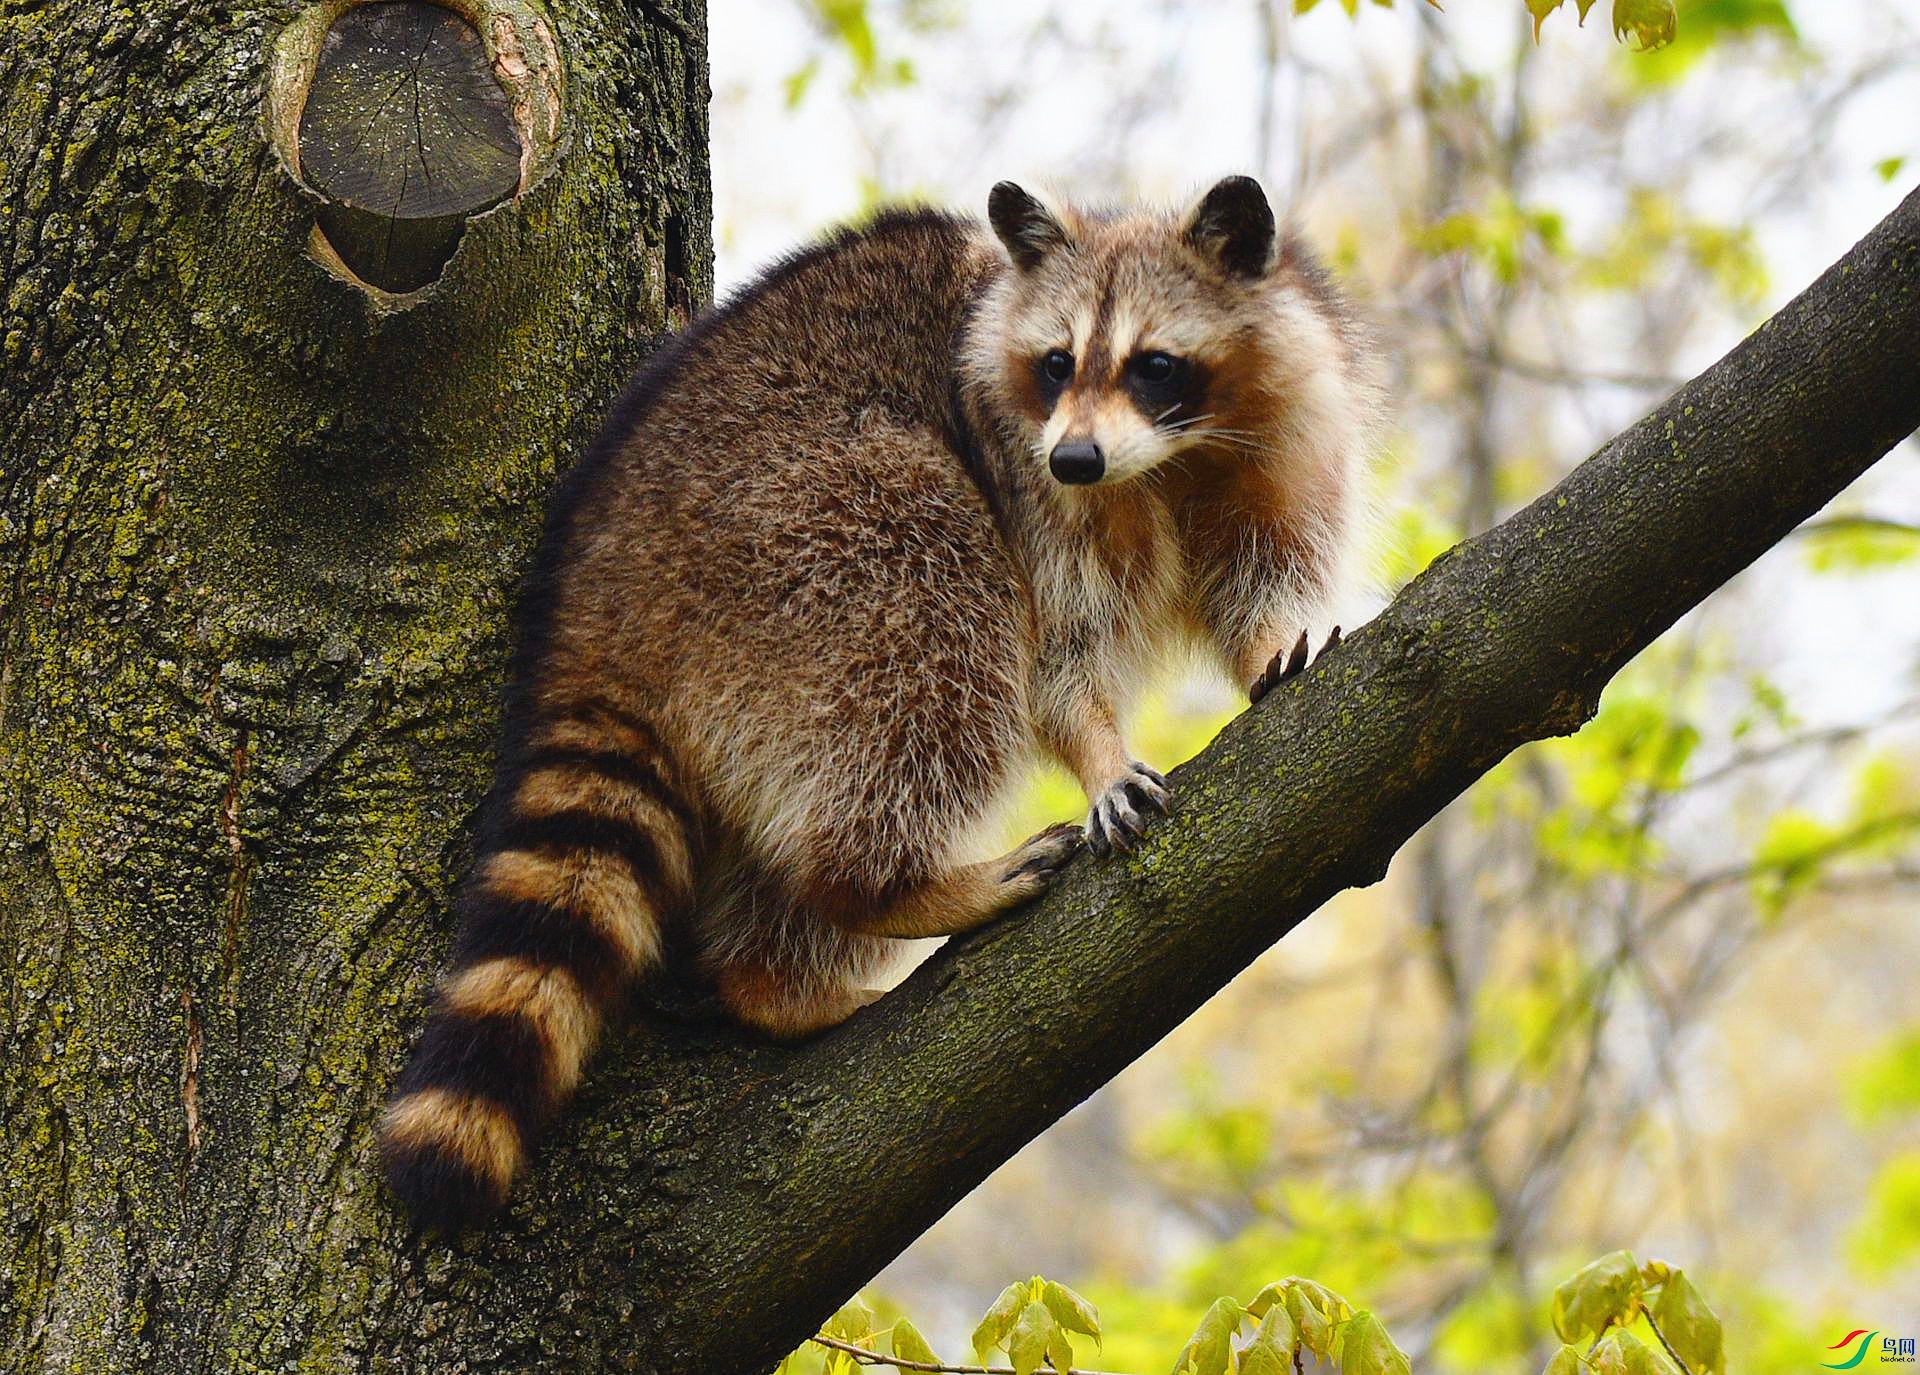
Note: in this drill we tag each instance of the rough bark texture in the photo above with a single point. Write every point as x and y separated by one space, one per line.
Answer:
258 534
257 545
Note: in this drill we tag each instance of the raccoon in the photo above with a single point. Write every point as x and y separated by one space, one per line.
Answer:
925 502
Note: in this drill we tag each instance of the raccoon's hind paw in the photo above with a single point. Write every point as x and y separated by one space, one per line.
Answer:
1035 865
1119 817
1287 664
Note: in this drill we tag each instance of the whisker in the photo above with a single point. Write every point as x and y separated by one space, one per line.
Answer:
1248 444
1191 432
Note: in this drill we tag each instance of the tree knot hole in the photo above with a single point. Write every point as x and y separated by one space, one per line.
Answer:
406 119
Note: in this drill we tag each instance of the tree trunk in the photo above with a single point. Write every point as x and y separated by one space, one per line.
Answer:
262 521
261 527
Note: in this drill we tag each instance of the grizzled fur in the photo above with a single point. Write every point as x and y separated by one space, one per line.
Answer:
920 504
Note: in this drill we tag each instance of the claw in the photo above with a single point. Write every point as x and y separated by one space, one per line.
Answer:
1118 818
1296 660
1280 669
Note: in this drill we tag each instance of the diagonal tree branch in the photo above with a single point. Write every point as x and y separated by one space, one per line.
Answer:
724 1197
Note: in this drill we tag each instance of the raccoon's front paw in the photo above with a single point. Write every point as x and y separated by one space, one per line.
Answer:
1032 868
1285 665
1119 816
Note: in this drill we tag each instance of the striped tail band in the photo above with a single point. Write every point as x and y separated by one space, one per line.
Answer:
586 851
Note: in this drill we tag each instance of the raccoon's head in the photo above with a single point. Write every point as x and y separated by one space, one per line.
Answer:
1120 342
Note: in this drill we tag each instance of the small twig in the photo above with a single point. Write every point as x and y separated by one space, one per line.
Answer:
867 1357
1648 1314
1598 1337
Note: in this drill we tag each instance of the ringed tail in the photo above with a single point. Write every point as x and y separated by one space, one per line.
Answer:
586 848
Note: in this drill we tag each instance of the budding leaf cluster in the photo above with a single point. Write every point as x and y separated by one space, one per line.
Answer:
1035 1323
1648 24
1602 1300
1289 1318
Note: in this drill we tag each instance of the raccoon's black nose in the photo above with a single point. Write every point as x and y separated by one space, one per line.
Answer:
1078 461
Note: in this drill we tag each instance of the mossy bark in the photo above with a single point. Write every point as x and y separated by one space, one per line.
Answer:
259 532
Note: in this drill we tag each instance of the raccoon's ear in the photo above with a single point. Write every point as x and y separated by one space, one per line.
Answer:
1024 226
1233 228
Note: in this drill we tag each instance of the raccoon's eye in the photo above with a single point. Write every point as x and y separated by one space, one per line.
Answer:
1156 369
1057 367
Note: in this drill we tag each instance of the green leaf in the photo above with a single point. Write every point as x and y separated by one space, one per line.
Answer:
1211 1345
1331 1306
999 1321
1889 1234
1566 1361
909 1345
1071 1311
1859 545
1366 1349
1885 786
1601 1295
1690 1327
1316 1311
1768 705
1887 1082
794 86
1622 1353
1713 20
1501 233
1266 1299
1650 23
1272 1350
847 20
1262 1357
1027 1343
1352 7
1788 859
1607 1358
1540 9
1312 1326
1889 168
1277 1329
853 1323
1059 1350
